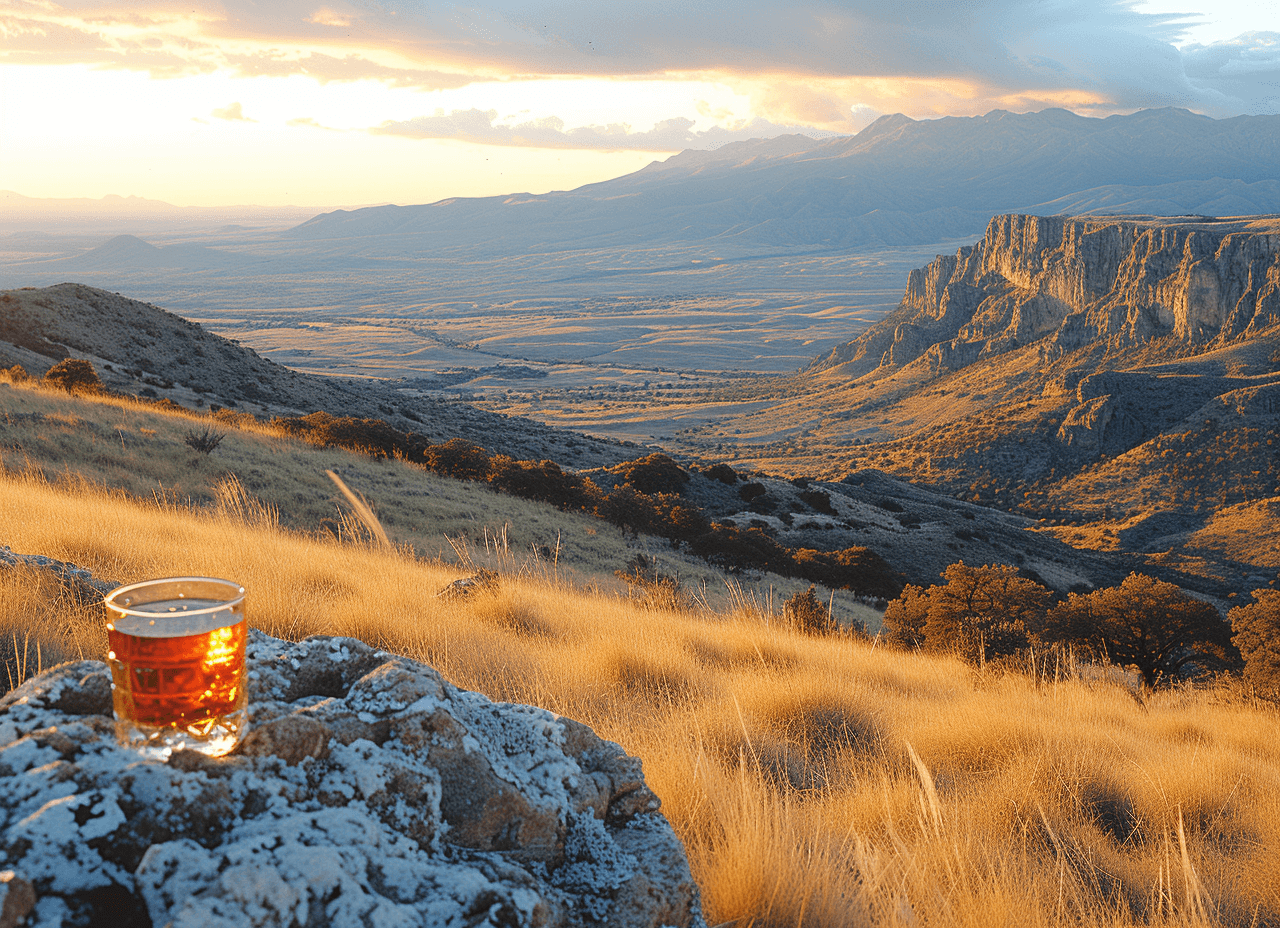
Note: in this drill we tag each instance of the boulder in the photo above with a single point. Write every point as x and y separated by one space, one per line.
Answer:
369 791
483 581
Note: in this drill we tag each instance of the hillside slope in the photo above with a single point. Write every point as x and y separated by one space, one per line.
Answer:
139 348
1117 378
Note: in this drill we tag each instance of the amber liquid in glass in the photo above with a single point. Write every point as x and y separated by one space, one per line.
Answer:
179 684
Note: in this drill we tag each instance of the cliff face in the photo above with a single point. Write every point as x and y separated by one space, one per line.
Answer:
1067 283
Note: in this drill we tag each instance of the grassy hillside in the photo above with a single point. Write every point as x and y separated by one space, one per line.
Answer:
141 450
816 781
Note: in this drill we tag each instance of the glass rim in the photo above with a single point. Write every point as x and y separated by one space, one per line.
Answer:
221 605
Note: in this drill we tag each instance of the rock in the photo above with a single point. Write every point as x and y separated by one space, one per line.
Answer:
369 791
1064 283
17 899
77 580
479 582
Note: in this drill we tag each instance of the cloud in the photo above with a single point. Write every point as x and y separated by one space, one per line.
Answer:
1244 71
306 122
1102 53
479 127
232 112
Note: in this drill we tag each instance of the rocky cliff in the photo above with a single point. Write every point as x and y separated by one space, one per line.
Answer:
1064 284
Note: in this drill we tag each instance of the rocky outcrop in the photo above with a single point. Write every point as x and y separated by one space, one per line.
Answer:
368 792
1065 283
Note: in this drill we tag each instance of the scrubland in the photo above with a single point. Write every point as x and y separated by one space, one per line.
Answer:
816 781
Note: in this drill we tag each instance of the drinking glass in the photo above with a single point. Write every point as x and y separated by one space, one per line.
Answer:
177 665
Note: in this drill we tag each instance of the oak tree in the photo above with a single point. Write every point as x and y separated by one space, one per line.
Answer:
1146 624
1256 628
983 612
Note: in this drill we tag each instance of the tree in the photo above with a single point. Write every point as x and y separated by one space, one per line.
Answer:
1256 628
905 618
75 375
983 612
1146 624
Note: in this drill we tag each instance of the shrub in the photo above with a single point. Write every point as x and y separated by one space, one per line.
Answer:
858 569
805 612
204 442
751 491
543 481
722 472
906 617
370 436
654 474
1256 628
15 374
818 501
983 612
734 549
659 590
75 375
458 458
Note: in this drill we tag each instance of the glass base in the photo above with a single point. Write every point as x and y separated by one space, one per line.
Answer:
214 737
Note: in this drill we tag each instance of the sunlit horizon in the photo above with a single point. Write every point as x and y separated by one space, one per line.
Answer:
197 106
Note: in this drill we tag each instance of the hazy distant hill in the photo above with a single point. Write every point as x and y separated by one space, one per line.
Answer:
897 181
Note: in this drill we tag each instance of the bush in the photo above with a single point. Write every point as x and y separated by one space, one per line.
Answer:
75 375
15 374
906 617
734 549
544 482
654 474
370 436
458 458
659 590
204 442
980 613
818 501
805 612
722 472
1256 629
858 569
751 491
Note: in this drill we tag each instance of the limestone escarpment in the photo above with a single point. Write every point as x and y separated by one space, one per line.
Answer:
1064 283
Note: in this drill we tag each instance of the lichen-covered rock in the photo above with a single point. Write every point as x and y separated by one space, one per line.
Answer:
369 792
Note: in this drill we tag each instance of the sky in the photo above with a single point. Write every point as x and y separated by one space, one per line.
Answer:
331 103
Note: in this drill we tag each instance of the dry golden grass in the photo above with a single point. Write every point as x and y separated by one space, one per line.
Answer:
140 450
815 781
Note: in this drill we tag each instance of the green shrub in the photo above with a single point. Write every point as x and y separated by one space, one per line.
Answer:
858 569
543 481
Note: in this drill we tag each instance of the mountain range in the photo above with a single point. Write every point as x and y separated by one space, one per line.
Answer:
897 181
